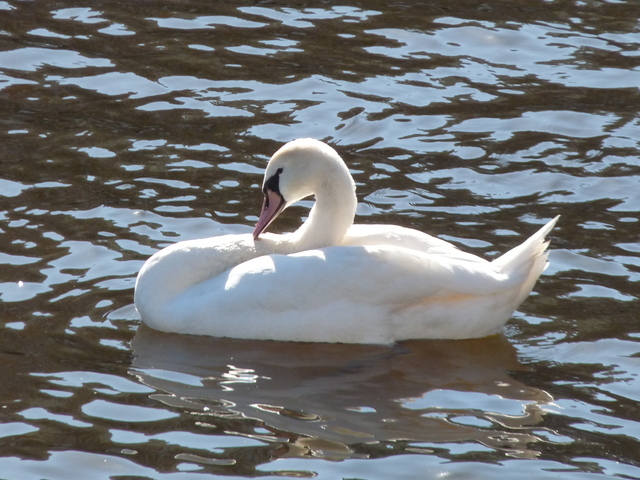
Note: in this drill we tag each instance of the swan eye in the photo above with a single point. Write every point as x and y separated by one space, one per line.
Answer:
273 183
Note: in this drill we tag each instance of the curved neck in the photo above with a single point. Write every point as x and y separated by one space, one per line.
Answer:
331 216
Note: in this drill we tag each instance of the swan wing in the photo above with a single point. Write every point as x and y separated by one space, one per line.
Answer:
352 294
397 236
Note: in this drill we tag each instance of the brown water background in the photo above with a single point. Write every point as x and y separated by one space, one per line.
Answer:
126 126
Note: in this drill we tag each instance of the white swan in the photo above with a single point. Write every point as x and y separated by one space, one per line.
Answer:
332 281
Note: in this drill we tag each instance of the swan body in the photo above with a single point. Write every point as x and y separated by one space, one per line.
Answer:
331 280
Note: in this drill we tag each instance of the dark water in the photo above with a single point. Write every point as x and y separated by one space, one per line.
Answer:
126 126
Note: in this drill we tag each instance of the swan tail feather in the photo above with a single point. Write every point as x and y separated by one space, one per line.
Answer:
528 260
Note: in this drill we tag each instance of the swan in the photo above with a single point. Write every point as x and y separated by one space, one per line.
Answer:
331 280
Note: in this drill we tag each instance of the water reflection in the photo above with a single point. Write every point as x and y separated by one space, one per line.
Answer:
126 126
324 400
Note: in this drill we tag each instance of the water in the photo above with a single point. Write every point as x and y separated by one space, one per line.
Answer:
127 126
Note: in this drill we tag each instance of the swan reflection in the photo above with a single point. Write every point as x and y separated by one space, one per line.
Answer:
321 399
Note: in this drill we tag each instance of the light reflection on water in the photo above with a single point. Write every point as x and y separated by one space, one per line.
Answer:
126 127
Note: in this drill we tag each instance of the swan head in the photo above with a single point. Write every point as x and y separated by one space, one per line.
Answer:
299 169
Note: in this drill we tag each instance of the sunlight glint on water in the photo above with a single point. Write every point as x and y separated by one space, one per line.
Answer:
129 126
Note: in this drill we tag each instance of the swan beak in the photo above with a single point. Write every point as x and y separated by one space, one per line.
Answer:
272 205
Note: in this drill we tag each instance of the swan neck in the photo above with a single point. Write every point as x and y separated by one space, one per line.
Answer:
331 216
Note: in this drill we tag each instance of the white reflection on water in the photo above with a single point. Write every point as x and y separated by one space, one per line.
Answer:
127 129
30 59
344 393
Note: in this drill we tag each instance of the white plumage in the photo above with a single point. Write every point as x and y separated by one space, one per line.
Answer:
332 281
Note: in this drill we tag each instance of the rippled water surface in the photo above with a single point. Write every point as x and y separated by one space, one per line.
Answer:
127 126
